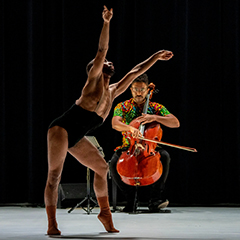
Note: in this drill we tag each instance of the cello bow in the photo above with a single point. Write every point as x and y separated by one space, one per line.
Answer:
170 144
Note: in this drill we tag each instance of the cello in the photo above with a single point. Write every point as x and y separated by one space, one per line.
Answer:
140 165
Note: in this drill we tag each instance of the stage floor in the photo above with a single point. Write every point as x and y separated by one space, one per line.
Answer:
24 223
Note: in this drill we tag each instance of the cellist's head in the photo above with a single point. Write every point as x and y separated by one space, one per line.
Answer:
139 88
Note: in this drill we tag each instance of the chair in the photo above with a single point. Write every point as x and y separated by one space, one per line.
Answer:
114 190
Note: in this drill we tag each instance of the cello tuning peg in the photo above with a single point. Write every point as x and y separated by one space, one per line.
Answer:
151 85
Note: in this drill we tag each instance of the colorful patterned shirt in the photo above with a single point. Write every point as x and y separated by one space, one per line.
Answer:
128 110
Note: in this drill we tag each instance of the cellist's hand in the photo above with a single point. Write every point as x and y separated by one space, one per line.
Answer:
146 118
135 132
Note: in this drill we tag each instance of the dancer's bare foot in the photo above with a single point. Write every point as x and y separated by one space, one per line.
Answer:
53 230
106 220
105 215
52 223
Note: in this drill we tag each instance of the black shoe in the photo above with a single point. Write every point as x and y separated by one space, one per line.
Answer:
127 209
158 205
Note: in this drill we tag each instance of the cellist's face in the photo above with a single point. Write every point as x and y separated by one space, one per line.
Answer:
139 92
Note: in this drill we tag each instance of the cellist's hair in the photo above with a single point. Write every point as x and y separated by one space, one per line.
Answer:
141 78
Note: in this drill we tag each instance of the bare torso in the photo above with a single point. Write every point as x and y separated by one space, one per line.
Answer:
97 97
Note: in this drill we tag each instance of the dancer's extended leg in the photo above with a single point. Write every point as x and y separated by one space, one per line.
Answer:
57 150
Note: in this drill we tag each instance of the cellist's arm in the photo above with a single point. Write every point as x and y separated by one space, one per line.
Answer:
118 125
169 120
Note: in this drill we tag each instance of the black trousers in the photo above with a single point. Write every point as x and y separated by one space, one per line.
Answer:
155 189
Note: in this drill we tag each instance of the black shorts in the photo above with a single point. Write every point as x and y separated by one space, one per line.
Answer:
78 122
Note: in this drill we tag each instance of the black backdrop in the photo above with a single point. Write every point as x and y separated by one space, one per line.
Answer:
44 48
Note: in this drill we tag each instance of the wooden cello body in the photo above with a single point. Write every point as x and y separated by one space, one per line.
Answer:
141 165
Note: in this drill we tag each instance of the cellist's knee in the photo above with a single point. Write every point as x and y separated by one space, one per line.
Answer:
165 157
113 161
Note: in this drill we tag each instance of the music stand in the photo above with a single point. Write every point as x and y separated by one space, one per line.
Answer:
88 198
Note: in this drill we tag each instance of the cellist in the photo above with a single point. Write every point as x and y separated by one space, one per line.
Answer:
124 113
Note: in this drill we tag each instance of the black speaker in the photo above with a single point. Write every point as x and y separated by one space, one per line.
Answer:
70 193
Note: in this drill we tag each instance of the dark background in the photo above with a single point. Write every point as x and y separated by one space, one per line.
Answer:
44 49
